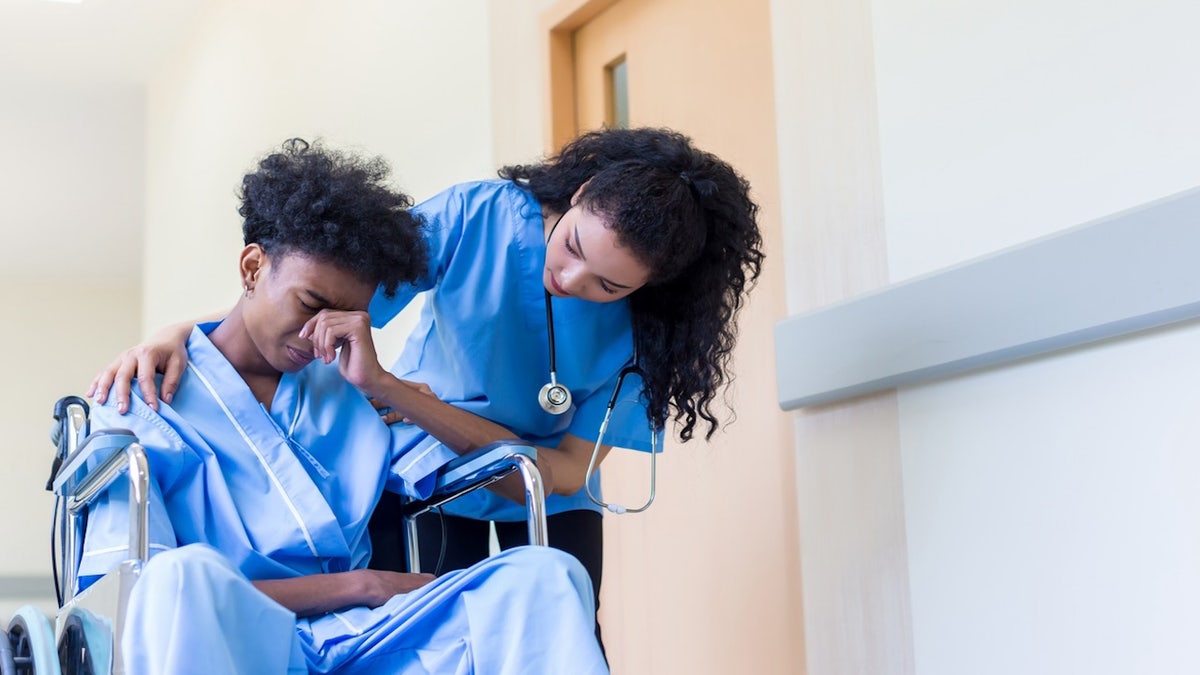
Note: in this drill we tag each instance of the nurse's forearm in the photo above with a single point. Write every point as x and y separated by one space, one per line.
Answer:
459 430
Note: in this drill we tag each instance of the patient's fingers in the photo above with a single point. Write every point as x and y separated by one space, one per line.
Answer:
324 333
379 586
330 330
406 582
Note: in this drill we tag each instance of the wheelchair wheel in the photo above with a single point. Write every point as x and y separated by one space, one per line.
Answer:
85 646
7 666
31 638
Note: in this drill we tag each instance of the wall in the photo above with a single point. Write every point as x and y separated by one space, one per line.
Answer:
1036 518
73 153
850 500
1050 524
63 332
382 77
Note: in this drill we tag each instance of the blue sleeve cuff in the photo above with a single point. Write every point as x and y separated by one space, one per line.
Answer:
414 473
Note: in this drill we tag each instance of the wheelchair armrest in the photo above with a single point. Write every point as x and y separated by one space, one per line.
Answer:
474 470
89 470
101 445
481 464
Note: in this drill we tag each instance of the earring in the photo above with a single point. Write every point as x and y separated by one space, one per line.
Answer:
247 291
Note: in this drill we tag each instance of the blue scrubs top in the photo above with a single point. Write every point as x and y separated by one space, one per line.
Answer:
482 345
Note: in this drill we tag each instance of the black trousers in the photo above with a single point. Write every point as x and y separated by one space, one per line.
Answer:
579 533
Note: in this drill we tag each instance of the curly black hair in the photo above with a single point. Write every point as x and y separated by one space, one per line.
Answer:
688 217
335 207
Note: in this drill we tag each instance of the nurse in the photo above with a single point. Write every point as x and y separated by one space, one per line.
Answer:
628 241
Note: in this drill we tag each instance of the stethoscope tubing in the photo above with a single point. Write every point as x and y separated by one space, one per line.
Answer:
612 401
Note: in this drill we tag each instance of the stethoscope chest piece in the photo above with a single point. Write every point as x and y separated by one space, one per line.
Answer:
554 398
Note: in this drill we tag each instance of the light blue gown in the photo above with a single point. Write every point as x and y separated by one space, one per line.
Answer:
239 492
481 343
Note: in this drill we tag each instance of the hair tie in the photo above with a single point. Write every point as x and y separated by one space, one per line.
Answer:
702 189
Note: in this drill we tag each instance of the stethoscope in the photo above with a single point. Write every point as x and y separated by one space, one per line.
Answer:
556 399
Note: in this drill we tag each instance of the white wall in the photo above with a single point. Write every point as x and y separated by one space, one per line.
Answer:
1004 122
382 77
72 174
1050 514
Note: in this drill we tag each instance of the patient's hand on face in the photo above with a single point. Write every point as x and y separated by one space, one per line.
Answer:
165 352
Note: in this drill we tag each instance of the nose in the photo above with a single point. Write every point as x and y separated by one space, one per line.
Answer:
571 280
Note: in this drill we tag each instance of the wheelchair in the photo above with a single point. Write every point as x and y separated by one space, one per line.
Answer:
85 636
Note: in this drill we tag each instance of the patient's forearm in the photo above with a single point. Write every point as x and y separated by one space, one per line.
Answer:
309 595
320 593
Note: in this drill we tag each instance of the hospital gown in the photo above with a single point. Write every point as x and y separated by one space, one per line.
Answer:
481 342
240 492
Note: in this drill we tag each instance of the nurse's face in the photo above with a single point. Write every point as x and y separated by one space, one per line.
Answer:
584 260
288 291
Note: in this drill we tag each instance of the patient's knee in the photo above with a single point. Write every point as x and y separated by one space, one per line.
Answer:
544 565
190 565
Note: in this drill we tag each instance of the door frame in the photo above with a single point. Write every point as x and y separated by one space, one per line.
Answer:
558 25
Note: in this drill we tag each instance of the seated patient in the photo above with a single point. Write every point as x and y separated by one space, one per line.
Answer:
267 464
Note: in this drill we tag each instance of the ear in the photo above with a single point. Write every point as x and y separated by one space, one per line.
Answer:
579 193
253 260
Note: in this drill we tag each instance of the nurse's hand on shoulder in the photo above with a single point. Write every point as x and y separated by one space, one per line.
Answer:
165 352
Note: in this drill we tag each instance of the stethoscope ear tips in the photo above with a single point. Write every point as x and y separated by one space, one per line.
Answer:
554 398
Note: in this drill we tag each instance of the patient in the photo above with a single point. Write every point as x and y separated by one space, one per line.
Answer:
267 464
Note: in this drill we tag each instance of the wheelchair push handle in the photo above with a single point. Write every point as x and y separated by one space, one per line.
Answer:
70 425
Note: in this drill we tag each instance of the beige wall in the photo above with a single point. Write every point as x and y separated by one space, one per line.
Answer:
399 79
73 154
61 333
848 464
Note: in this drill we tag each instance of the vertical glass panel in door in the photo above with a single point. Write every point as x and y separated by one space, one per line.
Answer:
617 79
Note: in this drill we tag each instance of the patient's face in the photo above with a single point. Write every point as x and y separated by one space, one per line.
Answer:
290 290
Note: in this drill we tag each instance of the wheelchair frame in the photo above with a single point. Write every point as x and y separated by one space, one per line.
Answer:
475 470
